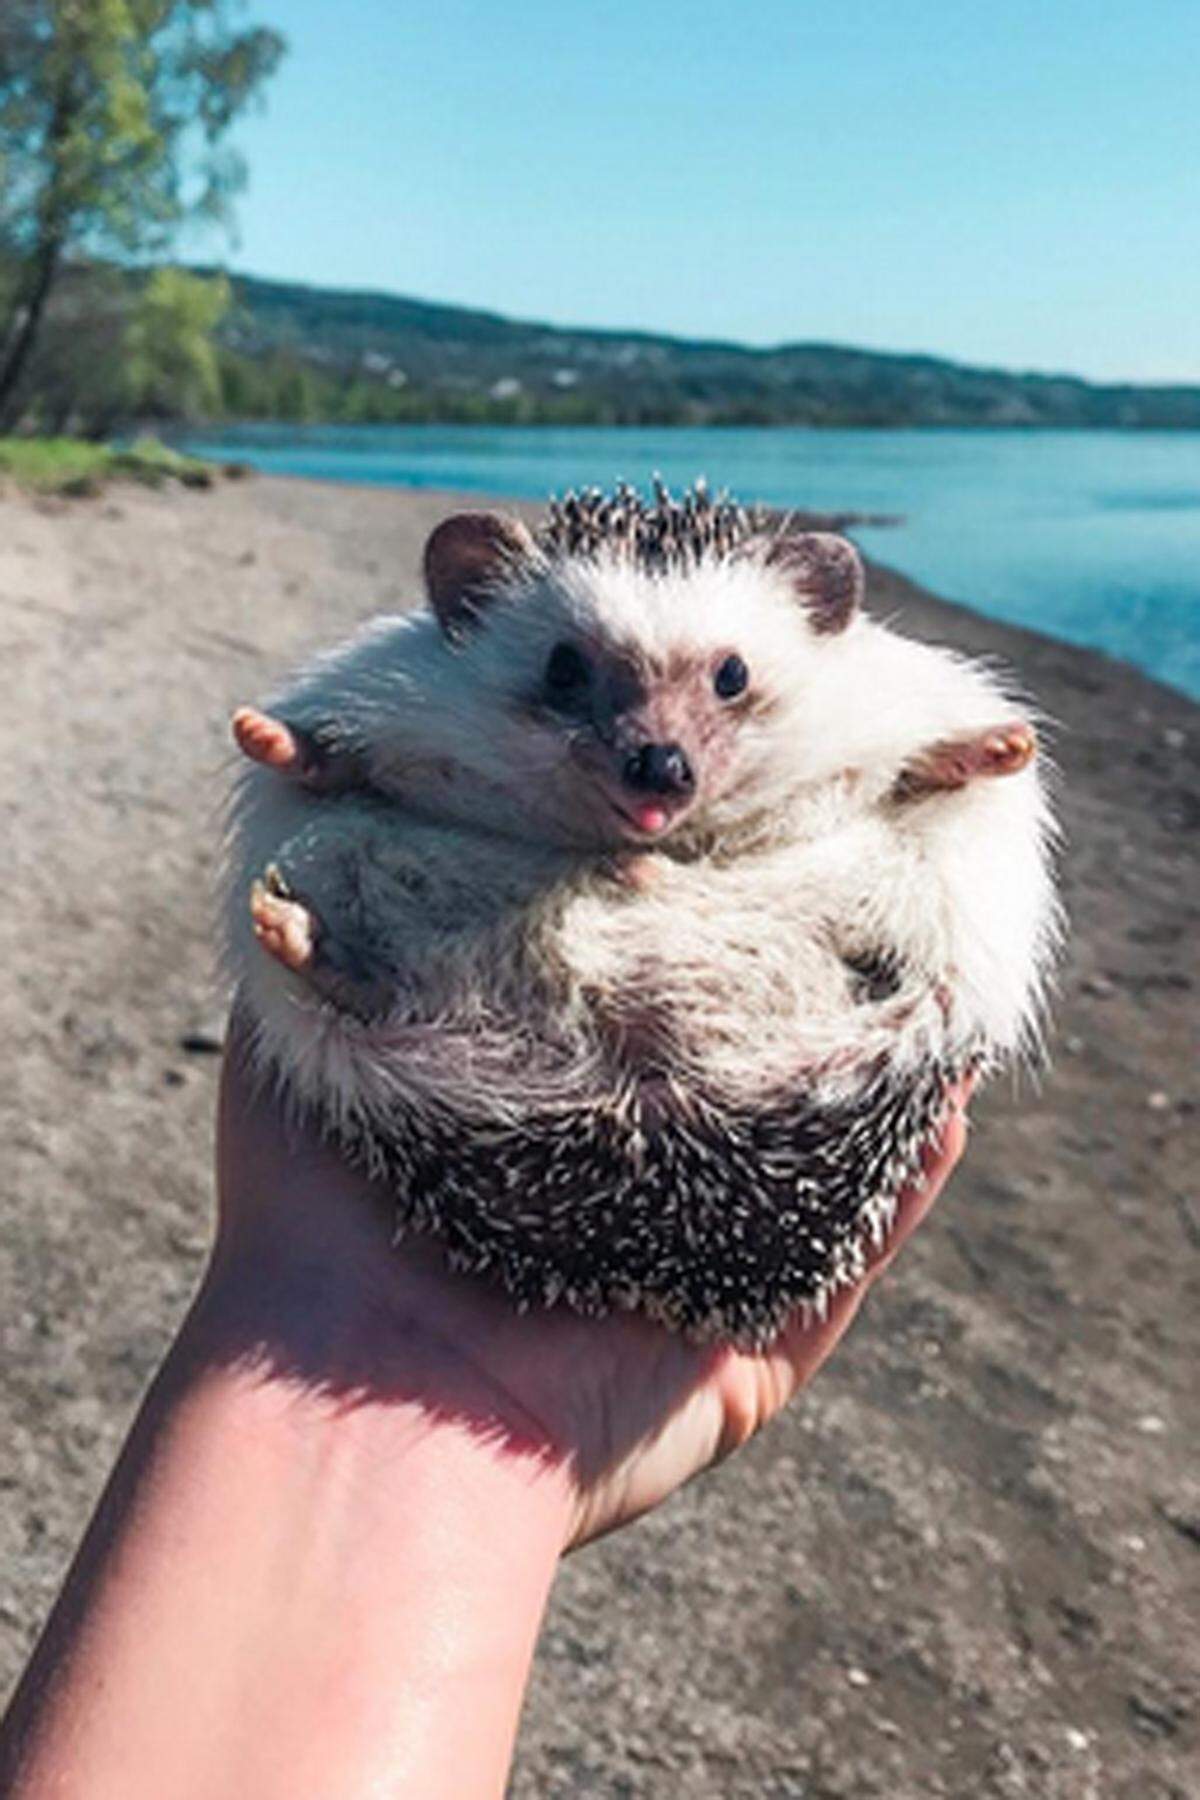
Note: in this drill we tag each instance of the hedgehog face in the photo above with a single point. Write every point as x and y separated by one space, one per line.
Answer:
647 742
648 708
636 695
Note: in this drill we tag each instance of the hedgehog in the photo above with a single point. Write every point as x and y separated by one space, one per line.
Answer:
629 907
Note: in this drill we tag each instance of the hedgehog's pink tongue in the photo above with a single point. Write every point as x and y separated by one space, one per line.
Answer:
650 817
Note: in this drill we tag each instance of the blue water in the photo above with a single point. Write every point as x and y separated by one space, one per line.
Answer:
1092 536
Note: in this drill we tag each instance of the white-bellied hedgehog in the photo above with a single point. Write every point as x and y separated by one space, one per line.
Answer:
630 907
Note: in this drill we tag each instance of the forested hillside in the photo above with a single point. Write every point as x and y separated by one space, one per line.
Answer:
119 346
382 356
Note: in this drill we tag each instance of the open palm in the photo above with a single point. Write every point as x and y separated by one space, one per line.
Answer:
632 1409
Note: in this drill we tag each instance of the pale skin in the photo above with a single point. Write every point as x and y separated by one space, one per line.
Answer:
321 1563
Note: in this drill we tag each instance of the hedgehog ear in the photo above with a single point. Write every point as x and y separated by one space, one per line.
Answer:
826 574
467 559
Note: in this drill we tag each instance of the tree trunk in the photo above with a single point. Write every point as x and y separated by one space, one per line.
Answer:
21 342
34 291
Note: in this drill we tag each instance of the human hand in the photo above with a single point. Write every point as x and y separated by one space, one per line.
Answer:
329 1538
627 1410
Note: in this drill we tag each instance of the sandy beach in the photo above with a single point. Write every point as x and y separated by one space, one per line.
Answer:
968 1562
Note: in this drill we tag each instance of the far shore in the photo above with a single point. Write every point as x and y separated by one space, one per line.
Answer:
969 1550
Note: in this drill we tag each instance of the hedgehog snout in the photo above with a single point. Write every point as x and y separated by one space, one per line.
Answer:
658 769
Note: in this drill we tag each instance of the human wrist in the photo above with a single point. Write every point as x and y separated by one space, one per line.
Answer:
297 1582
410 1499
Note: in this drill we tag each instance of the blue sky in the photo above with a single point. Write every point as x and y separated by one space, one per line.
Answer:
1015 184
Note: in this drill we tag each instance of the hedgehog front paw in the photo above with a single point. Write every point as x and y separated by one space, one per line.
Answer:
285 927
318 758
953 762
265 739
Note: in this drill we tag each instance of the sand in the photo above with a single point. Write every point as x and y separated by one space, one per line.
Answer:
967 1562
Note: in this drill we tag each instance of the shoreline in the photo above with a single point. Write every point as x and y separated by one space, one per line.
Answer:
986 1506
882 574
1091 538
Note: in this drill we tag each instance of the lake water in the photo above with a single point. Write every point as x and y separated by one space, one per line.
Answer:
1092 536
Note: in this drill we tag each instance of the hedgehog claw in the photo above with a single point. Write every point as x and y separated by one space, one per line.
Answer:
285 928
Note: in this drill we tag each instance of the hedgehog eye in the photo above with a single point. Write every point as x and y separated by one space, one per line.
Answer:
874 975
731 679
566 669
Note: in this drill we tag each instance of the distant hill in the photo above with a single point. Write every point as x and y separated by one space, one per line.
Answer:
372 355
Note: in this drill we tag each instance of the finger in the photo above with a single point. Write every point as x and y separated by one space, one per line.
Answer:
938 1161
804 1345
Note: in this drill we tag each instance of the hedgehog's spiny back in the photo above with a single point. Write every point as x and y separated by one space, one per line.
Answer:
669 536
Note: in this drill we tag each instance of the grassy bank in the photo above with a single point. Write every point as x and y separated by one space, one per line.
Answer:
75 468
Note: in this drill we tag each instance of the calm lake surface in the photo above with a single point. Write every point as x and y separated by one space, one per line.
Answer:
1092 536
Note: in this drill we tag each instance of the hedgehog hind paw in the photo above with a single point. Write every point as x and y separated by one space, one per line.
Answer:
286 928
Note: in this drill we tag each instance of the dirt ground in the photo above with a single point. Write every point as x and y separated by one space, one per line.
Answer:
968 1562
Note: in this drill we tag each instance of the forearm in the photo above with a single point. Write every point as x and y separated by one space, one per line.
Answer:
321 1563
294 1587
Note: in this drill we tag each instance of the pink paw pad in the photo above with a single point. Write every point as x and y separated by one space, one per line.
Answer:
285 928
264 739
951 764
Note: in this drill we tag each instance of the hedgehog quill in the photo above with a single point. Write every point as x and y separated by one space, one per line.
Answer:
630 906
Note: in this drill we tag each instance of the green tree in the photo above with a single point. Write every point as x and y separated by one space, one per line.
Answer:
75 382
243 386
171 366
295 396
113 116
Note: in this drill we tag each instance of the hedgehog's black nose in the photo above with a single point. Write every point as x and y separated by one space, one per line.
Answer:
659 769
